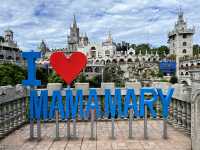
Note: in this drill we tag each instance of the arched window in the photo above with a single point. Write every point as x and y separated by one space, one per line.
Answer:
129 60
121 61
114 61
102 62
181 73
184 43
97 61
184 51
108 61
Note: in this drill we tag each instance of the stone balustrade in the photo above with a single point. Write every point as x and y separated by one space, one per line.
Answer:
12 108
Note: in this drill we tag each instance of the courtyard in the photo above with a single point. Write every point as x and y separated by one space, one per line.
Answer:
177 140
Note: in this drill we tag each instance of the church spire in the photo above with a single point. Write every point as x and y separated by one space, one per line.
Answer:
180 16
74 21
109 37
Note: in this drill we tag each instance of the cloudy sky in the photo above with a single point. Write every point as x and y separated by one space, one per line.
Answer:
136 21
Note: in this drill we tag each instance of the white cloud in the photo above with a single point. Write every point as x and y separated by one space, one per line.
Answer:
136 21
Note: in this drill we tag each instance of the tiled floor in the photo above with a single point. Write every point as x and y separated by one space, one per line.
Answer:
177 141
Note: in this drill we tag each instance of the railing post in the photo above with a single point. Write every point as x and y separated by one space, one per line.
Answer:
113 128
165 135
31 121
74 128
92 125
130 122
145 122
68 121
38 130
57 124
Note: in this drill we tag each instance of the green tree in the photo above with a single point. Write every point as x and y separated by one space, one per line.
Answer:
163 50
160 74
196 49
113 73
11 74
82 78
95 81
42 75
143 48
54 78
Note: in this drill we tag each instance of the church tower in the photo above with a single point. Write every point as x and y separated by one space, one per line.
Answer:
8 35
180 39
73 37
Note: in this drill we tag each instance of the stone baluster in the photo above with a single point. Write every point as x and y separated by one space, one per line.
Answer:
9 116
1 121
24 109
175 112
188 117
179 112
15 114
20 111
184 115
6 115
12 114
172 110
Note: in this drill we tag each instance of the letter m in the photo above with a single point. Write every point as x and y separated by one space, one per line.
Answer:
38 104
111 105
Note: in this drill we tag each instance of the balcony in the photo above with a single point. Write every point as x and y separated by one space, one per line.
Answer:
15 127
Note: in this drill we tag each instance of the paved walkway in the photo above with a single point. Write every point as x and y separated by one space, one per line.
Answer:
176 141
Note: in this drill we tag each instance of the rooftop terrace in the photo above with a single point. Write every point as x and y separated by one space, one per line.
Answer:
177 140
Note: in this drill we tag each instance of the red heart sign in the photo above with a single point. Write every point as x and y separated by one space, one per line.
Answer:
68 68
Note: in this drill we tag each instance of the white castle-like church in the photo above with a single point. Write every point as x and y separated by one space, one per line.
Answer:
135 66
